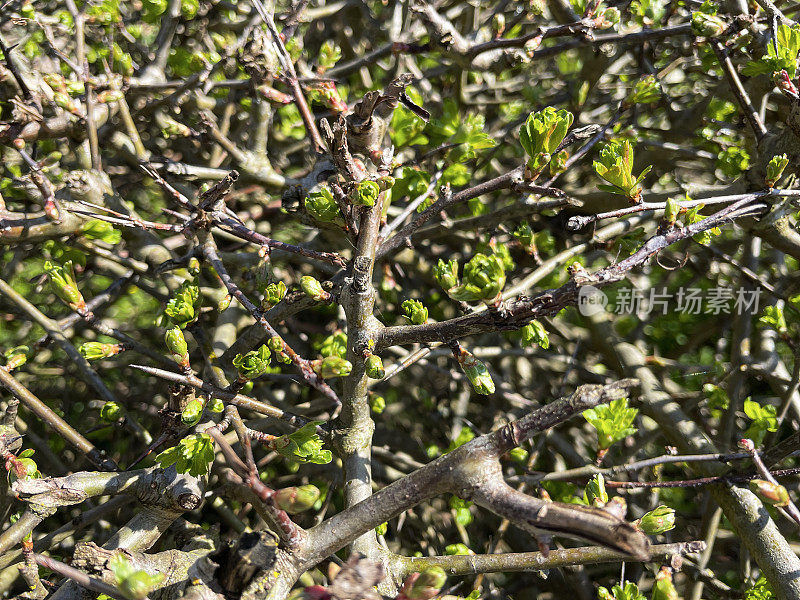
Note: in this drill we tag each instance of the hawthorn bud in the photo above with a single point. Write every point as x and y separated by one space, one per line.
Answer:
332 366
658 520
365 193
109 96
273 293
64 284
771 493
375 368
775 168
98 350
216 405
253 364
377 404
707 25
296 499
476 372
415 311
313 289
176 344
136 585
192 412
535 333
193 267
322 205
664 589
446 273
671 211
595 491
427 585
16 357
110 412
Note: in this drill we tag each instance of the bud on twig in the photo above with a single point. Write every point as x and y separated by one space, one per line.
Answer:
771 493
176 344
313 289
296 499
375 368
659 520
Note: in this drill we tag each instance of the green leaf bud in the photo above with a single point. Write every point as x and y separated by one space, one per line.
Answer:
446 273
664 589
426 585
176 344
322 206
252 364
62 279
16 357
375 368
332 366
535 333
313 289
483 280
771 493
671 211
216 405
775 168
476 372
296 499
192 412
111 411
377 404
365 193
98 350
415 311
706 25
658 520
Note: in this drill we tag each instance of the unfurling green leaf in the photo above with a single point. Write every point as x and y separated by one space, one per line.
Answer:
483 280
303 445
322 205
613 421
775 168
192 455
541 135
365 193
415 311
595 491
64 284
476 372
111 411
535 333
446 273
253 364
332 366
273 293
96 229
616 167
